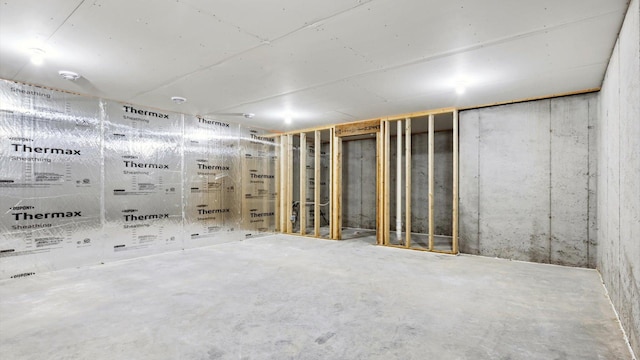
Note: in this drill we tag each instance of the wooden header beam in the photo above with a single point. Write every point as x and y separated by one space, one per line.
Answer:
361 128
378 120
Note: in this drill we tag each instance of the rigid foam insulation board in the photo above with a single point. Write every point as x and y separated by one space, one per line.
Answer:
143 180
86 180
212 193
50 183
259 158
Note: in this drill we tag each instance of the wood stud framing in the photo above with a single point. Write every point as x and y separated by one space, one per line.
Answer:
386 205
302 208
283 184
456 154
379 187
331 185
407 191
289 185
317 150
278 182
336 185
399 180
382 130
431 180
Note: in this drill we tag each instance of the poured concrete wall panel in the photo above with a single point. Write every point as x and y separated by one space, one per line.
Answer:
514 181
468 182
619 179
351 183
594 112
527 184
570 181
359 184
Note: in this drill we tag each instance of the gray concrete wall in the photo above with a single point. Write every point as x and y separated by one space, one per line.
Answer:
525 184
359 183
443 183
619 177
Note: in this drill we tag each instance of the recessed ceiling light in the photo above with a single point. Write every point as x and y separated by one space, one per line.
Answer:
460 89
249 115
287 119
69 75
178 99
37 56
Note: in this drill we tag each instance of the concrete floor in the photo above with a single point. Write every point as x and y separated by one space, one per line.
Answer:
287 297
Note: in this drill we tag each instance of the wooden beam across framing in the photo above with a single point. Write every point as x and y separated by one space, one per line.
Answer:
359 128
357 122
317 150
431 181
302 208
407 191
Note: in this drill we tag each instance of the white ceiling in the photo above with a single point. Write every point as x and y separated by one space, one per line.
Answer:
324 62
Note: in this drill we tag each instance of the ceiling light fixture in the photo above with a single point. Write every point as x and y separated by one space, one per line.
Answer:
178 99
37 56
287 119
460 85
248 115
69 75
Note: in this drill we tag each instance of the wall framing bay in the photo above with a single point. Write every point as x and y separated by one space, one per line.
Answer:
405 129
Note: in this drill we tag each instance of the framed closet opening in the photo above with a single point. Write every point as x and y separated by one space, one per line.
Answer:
420 183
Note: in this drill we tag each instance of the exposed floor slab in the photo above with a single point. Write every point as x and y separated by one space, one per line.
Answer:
281 297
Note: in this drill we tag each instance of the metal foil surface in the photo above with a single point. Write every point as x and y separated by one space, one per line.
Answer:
85 180
50 181
259 194
142 180
212 186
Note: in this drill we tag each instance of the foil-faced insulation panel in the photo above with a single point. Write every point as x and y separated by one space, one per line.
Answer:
212 185
50 182
85 180
143 180
258 182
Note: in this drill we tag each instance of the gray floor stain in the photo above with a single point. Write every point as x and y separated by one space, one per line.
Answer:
215 353
324 338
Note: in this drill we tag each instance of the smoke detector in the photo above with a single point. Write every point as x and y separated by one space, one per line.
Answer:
178 99
69 75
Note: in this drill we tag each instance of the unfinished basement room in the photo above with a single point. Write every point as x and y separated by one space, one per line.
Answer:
338 179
